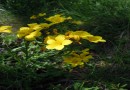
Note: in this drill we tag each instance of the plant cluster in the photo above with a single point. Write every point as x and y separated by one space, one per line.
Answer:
55 40
54 51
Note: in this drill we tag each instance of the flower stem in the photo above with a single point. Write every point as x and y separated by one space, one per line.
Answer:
26 50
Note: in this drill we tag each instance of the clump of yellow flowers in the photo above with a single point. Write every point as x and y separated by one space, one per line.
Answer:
34 29
5 29
76 59
58 41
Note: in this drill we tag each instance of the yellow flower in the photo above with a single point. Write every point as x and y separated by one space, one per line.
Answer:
95 39
57 19
84 56
78 34
48 38
45 25
35 26
33 17
84 35
5 29
40 26
57 42
33 35
74 62
78 59
41 14
28 33
24 31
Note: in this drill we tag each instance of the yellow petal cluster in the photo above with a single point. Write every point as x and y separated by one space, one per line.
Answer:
29 33
78 34
40 26
33 35
5 29
35 26
74 62
78 59
95 39
32 31
57 42
24 31
57 19
45 25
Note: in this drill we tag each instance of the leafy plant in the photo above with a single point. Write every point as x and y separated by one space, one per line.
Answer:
106 18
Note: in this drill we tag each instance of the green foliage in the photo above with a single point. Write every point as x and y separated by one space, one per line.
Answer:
40 71
26 7
108 18
21 71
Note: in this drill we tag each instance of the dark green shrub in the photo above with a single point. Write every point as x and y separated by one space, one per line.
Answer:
108 18
26 7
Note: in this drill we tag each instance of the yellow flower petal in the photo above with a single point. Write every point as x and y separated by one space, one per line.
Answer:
60 38
82 34
50 41
84 54
33 35
66 42
29 37
78 34
20 35
35 26
57 19
59 47
6 31
48 38
86 59
95 39
25 30
50 46
45 25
